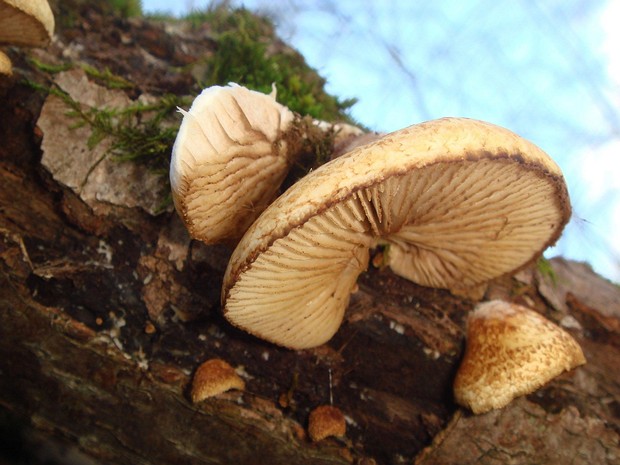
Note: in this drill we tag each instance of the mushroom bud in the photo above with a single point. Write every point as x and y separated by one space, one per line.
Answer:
457 202
511 351
214 377
326 421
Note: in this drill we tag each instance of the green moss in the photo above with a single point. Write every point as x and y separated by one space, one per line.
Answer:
49 68
107 79
126 8
249 53
140 133
546 269
68 13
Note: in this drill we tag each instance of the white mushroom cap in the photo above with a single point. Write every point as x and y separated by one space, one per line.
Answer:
458 201
228 161
511 351
26 22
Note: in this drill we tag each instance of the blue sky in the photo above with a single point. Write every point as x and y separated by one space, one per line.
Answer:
546 70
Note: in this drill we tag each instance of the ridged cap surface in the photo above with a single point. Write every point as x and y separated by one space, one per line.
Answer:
228 161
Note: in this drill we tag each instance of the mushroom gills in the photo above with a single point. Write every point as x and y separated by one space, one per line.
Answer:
302 276
489 217
300 287
458 202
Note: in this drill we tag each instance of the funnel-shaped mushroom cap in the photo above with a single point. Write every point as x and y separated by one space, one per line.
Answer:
26 22
458 201
511 351
228 161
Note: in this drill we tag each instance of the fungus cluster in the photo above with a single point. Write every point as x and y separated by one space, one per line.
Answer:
455 202
458 202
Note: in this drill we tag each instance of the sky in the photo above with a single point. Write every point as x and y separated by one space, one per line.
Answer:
548 71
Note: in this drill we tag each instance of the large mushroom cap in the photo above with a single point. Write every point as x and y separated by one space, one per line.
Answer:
511 351
228 161
26 22
458 201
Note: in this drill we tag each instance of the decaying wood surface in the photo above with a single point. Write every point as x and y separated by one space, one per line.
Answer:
105 311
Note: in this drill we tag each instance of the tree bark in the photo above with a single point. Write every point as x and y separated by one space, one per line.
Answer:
105 312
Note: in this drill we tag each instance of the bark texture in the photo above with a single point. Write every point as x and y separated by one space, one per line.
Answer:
106 311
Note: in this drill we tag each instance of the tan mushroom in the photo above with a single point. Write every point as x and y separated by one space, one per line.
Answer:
27 23
232 152
6 66
326 421
511 351
214 377
457 201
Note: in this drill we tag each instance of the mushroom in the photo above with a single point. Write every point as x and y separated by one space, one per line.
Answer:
456 201
214 377
326 421
6 67
233 150
24 22
511 351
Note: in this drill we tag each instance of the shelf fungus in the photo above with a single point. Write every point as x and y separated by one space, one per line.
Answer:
214 377
456 201
232 152
511 351
326 421
27 23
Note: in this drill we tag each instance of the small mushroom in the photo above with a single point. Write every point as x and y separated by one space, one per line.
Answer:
511 351
326 421
214 377
456 202
232 152
6 66
26 23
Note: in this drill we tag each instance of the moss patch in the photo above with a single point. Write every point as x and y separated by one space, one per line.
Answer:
249 53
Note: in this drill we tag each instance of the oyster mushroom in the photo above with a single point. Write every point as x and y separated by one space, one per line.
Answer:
511 351
27 23
457 201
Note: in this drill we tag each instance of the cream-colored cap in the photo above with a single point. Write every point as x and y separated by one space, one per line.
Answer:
228 161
